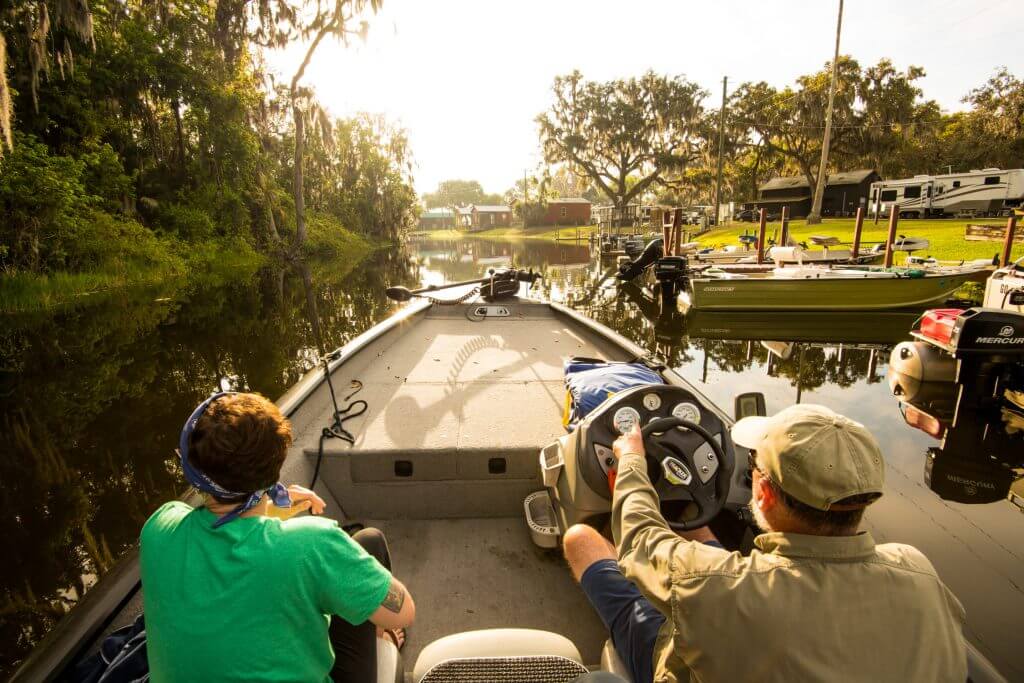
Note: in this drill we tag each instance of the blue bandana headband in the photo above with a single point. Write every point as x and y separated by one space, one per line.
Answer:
278 493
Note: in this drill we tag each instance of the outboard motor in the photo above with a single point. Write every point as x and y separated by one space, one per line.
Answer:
651 253
672 273
961 382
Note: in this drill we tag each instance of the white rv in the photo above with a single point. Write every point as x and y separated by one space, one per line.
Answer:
988 192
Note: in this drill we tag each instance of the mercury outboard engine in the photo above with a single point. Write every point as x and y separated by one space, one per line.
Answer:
961 382
651 253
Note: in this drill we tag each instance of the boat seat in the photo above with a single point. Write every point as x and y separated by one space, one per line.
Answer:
823 240
610 661
500 654
389 662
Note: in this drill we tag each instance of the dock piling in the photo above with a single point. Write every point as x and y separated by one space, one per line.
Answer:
894 219
762 230
677 230
1011 227
857 228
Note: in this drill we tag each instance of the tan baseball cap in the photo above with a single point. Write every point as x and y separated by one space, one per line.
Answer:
814 454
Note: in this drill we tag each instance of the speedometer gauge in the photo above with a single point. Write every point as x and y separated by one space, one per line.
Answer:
624 419
652 402
687 411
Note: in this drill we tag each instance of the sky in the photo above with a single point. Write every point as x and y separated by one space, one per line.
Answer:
467 78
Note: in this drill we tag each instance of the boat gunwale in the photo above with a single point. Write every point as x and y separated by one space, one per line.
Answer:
74 632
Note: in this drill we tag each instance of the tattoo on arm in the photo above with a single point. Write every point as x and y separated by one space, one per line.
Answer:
395 598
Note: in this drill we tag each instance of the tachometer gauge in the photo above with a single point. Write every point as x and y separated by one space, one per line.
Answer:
652 402
624 419
687 411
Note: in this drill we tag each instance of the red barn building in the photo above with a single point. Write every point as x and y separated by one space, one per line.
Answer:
567 211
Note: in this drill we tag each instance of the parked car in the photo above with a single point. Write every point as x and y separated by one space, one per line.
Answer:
753 215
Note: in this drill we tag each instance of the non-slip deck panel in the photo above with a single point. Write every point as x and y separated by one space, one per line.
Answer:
444 394
467 574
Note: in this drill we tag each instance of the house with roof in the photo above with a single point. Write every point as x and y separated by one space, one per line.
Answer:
482 217
567 211
844 192
437 218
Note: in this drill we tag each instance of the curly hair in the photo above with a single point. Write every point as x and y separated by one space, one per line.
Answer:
240 442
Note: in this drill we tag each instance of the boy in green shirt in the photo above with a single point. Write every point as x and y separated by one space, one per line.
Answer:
232 593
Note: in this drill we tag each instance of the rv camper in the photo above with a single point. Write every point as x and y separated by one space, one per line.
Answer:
988 192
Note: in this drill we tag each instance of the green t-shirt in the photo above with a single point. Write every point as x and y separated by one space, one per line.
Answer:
249 601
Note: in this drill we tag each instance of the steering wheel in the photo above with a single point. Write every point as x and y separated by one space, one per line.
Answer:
661 441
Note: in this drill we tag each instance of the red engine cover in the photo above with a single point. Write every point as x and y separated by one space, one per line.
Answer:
938 323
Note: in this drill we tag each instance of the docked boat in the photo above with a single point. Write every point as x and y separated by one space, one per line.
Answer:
818 287
826 252
1005 288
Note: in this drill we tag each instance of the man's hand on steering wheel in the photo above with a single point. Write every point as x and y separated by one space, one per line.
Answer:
630 442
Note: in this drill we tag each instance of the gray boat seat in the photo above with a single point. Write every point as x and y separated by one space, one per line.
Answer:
824 240
610 661
500 654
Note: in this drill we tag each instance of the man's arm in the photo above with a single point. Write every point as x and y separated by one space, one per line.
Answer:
645 543
397 609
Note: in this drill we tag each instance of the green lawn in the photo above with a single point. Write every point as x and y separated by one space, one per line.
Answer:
946 235
545 232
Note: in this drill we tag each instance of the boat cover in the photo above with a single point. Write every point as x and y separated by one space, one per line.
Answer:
589 382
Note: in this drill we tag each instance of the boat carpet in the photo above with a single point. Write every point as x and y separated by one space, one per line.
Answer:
468 574
444 398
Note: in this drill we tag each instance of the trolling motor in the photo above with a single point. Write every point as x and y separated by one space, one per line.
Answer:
501 283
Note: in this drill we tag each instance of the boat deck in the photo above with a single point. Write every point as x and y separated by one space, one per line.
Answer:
443 457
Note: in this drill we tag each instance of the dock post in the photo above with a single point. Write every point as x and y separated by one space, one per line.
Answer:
665 236
784 236
677 230
1011 227
857 228
894 219
762 230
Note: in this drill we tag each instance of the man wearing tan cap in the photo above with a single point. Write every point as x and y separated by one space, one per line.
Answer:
815 600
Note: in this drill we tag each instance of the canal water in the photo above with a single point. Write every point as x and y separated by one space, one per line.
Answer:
93 398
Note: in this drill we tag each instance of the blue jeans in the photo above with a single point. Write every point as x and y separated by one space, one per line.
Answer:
630 618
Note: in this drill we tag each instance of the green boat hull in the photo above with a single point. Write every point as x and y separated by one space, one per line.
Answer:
824 294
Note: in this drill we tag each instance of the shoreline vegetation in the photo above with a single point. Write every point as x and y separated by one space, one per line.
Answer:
170 261
543 232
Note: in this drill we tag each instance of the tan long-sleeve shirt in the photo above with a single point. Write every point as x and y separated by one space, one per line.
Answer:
798 608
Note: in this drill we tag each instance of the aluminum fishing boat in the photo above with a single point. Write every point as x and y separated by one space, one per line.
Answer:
462 459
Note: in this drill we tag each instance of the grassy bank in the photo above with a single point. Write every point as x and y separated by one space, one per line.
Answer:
166 261
543 232
945 235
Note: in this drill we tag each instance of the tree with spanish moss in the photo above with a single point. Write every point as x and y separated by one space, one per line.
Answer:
625 135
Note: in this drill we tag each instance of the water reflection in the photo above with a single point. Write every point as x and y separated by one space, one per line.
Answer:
92 401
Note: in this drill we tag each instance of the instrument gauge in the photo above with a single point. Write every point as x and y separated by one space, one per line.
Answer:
687 411
624 419
652 402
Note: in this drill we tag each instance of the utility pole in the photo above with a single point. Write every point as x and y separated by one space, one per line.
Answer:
819 191
721 143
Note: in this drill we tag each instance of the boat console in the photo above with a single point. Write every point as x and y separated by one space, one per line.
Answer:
690 458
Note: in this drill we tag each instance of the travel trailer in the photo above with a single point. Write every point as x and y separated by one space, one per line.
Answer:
988 192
